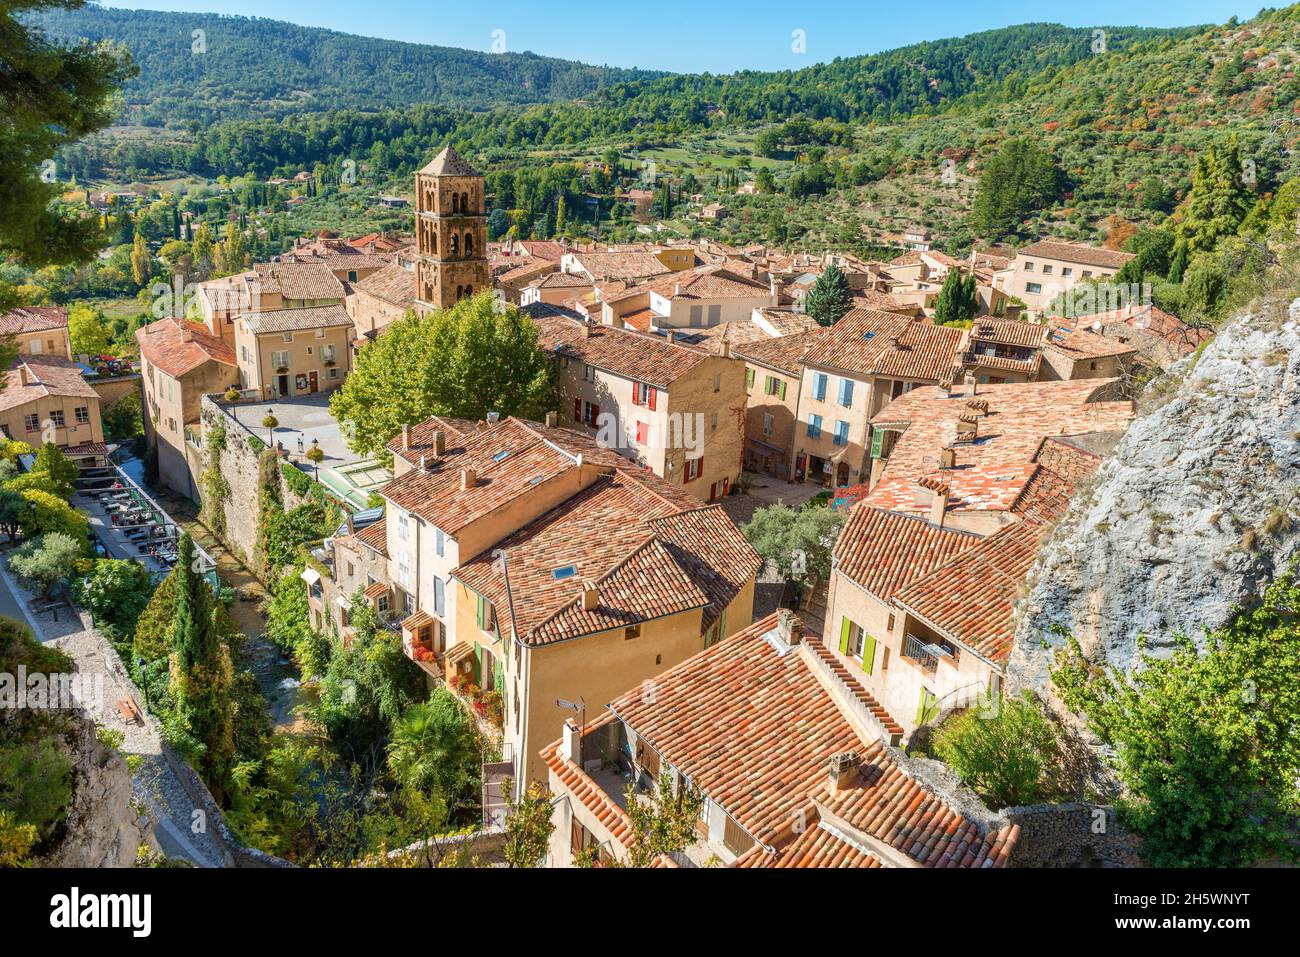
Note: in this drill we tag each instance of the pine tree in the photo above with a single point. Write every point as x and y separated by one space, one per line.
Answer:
1218 202
201 673
830 297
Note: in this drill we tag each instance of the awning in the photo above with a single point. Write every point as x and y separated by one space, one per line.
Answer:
344 602
460 651
310 576
417 620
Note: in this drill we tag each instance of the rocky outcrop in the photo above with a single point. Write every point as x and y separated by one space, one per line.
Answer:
102 828
1191 516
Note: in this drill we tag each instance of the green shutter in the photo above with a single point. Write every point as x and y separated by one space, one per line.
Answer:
845 627
751 378
478 664
478 609
499 678
782 390
868 653
877 443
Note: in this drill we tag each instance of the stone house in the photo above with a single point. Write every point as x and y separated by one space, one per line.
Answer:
38 330
1044 270
288 352
774 376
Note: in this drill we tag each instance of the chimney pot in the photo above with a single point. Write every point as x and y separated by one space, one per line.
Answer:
590 596
939 507
493 418
844 769
948 458
789 627
551 420
439 444
424 463
468 478
406 436
571 746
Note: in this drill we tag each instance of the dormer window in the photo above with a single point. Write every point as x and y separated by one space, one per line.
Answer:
564 572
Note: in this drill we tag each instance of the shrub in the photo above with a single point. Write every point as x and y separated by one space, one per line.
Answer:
45 562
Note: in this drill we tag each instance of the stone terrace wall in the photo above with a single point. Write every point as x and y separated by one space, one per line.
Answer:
1072 835
239 467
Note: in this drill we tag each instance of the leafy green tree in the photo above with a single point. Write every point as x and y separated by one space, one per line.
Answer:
12 508
44 563
1204 741
958 299
116 593
1008 756
529 825
662 824
201 673
463 362
288 624
1020 178
46 513
35 782
830 297
435 749
1151 250
62 470
89 333
1218 202
799 542
141 261
124 419
51 95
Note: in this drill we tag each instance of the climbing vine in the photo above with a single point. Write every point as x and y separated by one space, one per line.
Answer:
216 490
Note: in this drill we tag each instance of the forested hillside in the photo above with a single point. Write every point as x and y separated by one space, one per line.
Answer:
243 68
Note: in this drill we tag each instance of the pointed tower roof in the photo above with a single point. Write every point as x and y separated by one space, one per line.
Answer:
449 163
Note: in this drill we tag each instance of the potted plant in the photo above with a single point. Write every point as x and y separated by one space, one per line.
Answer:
232 394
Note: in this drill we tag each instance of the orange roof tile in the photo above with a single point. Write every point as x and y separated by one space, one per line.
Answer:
868 343
163 345
635 355
882 551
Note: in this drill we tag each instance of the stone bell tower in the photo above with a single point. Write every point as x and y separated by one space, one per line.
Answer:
450 233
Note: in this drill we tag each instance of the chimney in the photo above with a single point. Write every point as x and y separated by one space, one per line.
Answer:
789 627
493 418
590 596
25 376
978 406
939 505
468 478
571 745
844 770
972 386
187 331
351 525
551 420
948 457
439 444
406 436
726 350
424 463
968 427
586 330
677 289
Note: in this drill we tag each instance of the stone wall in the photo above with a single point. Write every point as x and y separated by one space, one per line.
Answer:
1071 835
239 466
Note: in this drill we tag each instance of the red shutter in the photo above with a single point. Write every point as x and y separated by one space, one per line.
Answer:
713 491
595 414
636 393
653 393
577 410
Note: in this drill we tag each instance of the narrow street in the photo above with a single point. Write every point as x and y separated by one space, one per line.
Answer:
155 783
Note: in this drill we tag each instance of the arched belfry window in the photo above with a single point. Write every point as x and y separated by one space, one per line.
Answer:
454 242
469 244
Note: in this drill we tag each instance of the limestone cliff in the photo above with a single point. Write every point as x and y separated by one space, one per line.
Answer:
1189 517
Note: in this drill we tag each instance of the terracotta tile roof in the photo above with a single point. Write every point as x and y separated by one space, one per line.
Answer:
377 590
307 281
36 377
1079 253
788 323
295 320
645 357
882 551
544 249
782 354
708 282
867 343
375 537
1081 344
991 472
562 280
163 345
640 319
516 277
30 319
750 723
880 301
647 558
394 283
1163 325
454 433
620 265
1010 332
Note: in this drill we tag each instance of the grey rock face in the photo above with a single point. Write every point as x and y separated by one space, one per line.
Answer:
1188 519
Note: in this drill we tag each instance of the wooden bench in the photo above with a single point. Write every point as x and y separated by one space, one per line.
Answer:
130 711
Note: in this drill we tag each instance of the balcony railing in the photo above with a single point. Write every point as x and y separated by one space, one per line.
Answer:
922 653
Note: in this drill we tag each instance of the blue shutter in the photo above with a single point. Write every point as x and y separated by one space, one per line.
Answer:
819 386
846 392
438 541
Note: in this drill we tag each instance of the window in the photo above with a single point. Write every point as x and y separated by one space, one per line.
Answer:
439 542
631 631
381 604
715 315
320 334
694 468
586 412
1033 287
408 602
564 572
56 417
713 422
1067 271
820 379
484 614
1087 273
846 392
841 432
697 313
814 426
769 423
404 570
1029 267
83 415
439 597
717 383
352 275
749 378
288 337
334 373
280 360
642 433
856 643
403 527
328 353
243 351
32 423
1047 269
644 395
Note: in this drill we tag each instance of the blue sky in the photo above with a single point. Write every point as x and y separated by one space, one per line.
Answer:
717 37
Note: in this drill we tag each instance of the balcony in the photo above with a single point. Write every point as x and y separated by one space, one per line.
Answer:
926 655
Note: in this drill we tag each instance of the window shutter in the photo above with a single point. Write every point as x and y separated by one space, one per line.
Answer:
636 393
577 410
782 390
877 443
751 378
868 653
654 394
438 595
478 610
845 627
595 414
926 710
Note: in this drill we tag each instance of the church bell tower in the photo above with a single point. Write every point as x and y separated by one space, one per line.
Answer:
450 233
